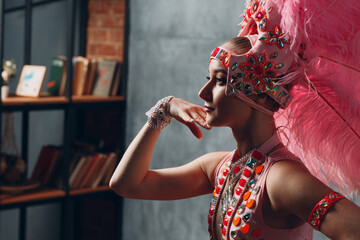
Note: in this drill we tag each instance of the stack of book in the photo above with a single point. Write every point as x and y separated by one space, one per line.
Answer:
91 171
86 170
99 77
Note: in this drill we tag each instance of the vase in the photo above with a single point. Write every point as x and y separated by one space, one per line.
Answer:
4 92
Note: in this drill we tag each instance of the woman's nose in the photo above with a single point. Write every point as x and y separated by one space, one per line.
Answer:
205 91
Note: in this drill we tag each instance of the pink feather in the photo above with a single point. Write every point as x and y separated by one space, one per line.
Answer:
323 119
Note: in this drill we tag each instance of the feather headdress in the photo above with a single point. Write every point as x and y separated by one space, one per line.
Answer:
323 119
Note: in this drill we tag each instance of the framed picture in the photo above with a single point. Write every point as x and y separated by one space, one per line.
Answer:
31 81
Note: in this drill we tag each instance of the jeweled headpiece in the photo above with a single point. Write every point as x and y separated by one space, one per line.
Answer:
262 69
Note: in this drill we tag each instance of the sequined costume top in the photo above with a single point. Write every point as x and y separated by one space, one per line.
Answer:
236 208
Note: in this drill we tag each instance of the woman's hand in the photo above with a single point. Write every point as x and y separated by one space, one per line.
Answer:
189 114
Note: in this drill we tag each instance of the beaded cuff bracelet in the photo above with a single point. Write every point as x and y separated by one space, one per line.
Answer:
159 115
321 208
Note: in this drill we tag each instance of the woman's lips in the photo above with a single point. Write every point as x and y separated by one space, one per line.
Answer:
208 108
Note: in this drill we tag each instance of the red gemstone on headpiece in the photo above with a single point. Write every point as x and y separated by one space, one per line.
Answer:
248 13
236 169
214 52
238 191
259 15
225 172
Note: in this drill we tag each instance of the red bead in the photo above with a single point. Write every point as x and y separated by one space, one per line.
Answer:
247 172
211 210
244 228
217 190
221 181
238 191
209 219
229 211
225 221
223 231
242 182
225 172
236 169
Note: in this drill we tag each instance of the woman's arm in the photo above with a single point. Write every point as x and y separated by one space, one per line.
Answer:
133 179
293 190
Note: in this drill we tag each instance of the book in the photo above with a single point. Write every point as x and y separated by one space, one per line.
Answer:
105 168
92 170
91 76
45 164
106 72
81 67
116 82
57 76
79 172
62 88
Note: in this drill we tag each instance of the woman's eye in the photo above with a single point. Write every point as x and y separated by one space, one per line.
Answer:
221 81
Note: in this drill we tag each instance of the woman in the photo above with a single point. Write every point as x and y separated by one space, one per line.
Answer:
290 193
260 190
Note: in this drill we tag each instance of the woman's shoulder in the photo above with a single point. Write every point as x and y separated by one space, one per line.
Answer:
289 183
210 162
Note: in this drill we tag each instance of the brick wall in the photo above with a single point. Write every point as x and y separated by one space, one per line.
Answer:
105 32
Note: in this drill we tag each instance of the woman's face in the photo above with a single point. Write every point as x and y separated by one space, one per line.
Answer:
222 110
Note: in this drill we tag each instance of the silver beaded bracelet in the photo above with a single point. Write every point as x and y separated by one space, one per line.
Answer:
159 115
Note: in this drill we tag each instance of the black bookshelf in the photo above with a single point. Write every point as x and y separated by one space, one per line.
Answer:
71 106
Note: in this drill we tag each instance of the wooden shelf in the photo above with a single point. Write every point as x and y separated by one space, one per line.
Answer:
22 101
45 194
81 191
96 99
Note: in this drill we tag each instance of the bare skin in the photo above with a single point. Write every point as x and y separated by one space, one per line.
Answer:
291 191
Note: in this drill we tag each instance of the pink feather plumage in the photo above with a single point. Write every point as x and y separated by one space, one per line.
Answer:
322 121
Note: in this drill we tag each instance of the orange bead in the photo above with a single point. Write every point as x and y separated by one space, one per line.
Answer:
250 203
246 196
245 228
259 169
237 221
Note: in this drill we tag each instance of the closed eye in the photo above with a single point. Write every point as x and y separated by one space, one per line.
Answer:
221 81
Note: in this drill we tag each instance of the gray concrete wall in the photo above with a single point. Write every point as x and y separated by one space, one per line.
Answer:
170 44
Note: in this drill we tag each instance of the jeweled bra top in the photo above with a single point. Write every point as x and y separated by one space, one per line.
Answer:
236 208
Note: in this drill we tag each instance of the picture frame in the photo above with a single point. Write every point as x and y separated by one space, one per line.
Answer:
31 81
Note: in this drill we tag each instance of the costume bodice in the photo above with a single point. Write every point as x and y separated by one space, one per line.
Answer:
237 214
